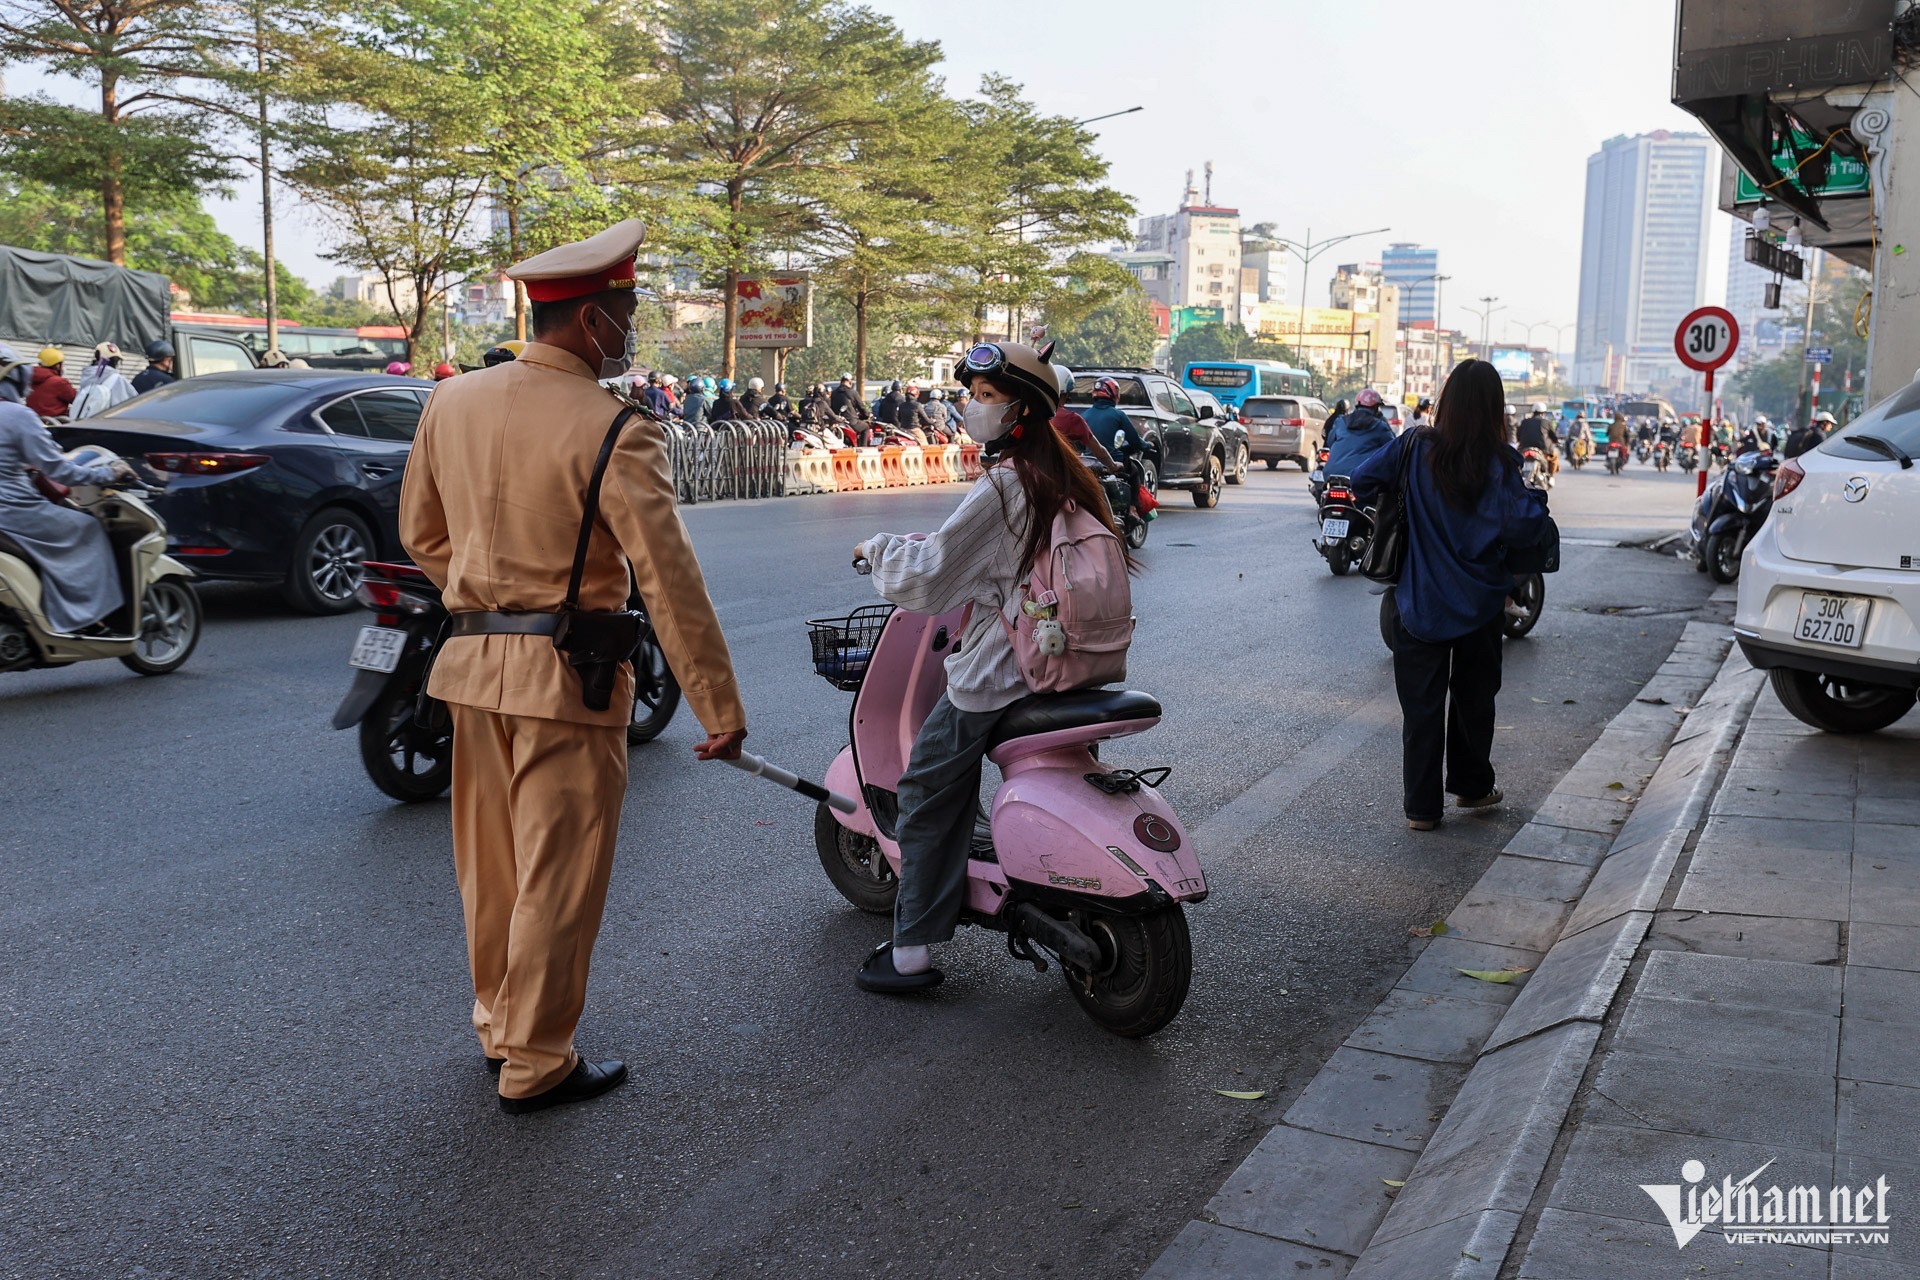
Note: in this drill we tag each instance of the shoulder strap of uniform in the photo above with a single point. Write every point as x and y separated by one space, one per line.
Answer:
593 506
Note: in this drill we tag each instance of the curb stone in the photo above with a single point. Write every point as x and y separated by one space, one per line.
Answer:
1359 1123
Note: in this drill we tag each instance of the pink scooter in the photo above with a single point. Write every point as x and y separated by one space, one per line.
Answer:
1084 862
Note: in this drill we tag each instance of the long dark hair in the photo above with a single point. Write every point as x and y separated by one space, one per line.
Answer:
1469 430
1050 473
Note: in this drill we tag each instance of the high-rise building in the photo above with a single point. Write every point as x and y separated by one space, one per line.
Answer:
1643 254
1190 258
1413 267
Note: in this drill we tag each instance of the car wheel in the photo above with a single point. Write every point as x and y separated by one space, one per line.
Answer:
1207 496
1273 464
325 569
1306 464
1239 473
1835 705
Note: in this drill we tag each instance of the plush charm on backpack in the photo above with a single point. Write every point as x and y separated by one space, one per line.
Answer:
1075 618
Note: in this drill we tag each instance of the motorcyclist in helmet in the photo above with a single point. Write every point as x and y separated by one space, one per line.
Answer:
508 350
52 395
69 548
695 406
777 405
1537 431
726 405
750 399
978 558
443 371
1810 436
1356 437
159 370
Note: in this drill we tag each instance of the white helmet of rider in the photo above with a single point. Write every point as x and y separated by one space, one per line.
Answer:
1823 417
1759 419
1063 376
755 384
1539 406
938 394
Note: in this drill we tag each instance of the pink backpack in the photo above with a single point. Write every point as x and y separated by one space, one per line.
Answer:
1076 608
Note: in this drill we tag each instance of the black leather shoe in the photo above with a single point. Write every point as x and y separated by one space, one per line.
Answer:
586 1080
878 974
494 1064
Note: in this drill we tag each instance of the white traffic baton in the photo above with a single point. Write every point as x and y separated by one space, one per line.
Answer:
760 768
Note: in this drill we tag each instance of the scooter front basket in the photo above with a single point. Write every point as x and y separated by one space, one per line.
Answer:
842 647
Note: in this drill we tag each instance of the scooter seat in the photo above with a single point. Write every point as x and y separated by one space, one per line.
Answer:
1054 712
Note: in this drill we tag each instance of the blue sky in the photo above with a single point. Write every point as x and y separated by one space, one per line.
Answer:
1464 125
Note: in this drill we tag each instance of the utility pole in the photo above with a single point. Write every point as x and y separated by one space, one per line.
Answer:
266 177
1806 342
1307 251
1485 312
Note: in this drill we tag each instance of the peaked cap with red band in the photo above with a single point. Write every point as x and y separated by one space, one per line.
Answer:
593 265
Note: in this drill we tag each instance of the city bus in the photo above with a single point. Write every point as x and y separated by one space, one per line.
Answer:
1232 381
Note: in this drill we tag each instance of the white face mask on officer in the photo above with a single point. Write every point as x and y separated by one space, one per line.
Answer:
615 365
988 422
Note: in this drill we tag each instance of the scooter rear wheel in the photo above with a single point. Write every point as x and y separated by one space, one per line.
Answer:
855 864
409 761
1146 968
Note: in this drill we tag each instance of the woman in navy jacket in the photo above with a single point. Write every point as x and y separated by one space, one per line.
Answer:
1466 504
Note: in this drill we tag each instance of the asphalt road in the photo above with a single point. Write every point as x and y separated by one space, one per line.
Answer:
233 999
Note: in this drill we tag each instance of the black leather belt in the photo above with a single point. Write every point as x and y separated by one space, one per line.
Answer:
505 624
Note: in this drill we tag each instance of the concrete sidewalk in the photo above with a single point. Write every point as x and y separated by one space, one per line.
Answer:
1772 1015
1727 975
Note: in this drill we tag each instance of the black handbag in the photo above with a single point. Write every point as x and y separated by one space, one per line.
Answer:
1540 556
1387 550
597 643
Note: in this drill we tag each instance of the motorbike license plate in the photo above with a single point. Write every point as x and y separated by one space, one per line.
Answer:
1332 529
377 649
1834 620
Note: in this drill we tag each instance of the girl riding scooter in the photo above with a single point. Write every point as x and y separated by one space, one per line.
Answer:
979 557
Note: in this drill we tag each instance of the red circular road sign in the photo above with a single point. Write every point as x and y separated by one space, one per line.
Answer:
1706 339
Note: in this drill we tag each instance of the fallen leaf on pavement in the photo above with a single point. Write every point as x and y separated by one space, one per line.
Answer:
1539 699
1244 1095
1393 1182
1494 975
761 823
1569 702
1653 702
1616 786
1437 929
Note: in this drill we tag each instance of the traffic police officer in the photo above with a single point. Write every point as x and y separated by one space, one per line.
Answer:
491 510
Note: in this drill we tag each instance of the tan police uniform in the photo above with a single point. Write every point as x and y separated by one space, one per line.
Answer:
490 509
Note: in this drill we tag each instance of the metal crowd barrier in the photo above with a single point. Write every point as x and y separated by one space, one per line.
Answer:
749 459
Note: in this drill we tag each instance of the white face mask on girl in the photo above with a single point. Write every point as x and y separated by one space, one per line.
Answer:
988 422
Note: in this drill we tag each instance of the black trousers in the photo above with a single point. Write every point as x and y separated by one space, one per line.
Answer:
1447 693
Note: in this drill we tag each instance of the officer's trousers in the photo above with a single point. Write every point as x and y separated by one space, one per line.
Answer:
536 811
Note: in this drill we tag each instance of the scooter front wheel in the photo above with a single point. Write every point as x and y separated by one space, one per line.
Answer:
855 864
1146 966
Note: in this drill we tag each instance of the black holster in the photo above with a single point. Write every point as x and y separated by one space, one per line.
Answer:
596 644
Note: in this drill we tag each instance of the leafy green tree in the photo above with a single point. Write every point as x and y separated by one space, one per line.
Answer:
1225 342
763 101
142 142
1773 386
387 148
1119 330
1037 192
173 236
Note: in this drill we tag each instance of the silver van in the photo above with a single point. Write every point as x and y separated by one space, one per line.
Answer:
1285 429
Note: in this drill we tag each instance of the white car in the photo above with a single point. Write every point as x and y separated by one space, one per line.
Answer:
1830 588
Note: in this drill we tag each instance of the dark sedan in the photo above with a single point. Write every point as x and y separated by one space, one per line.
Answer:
273 475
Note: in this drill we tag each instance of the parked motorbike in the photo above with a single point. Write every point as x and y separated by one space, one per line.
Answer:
155 629
1730 512
1075 860
1345 526
406 735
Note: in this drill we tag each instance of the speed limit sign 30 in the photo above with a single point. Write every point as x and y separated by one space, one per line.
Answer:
1706 339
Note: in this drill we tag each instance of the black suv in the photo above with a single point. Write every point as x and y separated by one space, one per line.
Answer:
1186 447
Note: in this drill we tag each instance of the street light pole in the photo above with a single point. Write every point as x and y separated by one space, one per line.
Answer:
1439 320
1110 115
1307 253
1485 312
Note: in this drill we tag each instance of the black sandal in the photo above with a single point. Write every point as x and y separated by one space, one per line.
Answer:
877 973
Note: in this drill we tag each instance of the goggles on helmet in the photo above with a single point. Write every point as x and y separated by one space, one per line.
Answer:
984 358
